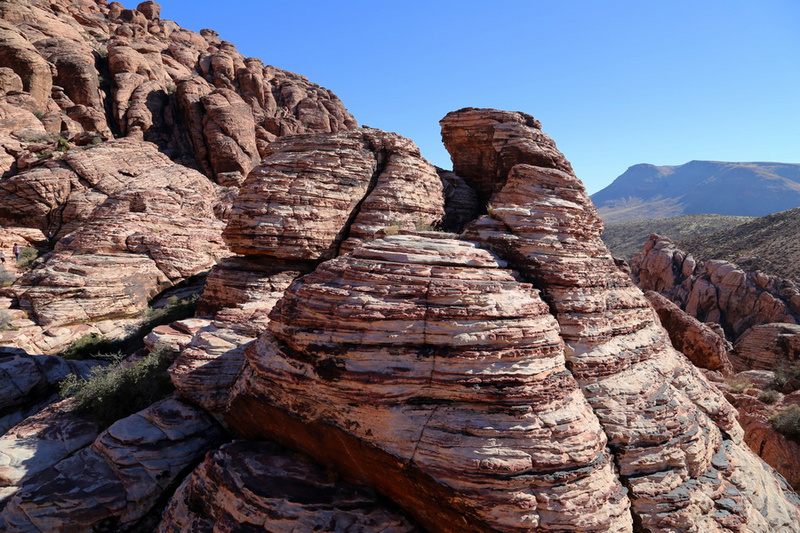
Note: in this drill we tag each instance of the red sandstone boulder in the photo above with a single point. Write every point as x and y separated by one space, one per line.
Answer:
702 345
767 347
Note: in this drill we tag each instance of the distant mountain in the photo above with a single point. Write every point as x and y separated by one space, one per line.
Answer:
767 243
624 239
646 192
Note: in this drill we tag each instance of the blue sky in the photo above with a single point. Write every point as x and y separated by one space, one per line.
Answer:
615 83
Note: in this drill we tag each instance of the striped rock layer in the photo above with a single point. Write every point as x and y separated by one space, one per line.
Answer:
526 388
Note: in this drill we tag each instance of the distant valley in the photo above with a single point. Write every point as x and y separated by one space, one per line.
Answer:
648 192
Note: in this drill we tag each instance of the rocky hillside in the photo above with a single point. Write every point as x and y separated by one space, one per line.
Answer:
767 243
624 239
646 192
351 366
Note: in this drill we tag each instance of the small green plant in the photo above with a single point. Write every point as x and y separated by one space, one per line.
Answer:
116 391
27 256
93 345
739 385
62 143
424 226
47 154
787 421
171 88
769 396
394 229
39 114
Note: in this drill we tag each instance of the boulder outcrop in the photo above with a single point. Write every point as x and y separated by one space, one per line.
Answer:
715 291
704 346
767 347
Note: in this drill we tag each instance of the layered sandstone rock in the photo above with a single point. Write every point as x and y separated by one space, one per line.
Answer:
38 443
672 433
260 486
27 382
423 368
314 196
137 223
116 481
715 291
699 342
767 347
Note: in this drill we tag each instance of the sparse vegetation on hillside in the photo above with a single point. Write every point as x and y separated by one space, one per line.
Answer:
767 243
627 238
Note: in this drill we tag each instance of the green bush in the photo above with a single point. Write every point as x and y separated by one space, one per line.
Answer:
93 345
769 396
27 256
787 421
787 374
116 391
90 346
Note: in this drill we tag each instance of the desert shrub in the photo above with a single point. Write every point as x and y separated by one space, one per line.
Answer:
93 345
89 346
38 114
787 374
787 421
738 385
27 256
5 320
769 396
116 391
6 277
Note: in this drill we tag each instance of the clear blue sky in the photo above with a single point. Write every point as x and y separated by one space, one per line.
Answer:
615 83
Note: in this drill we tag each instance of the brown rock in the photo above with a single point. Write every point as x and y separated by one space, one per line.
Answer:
767 347
75 69
258 485
543 222
703 346
20 56
229 132
497 141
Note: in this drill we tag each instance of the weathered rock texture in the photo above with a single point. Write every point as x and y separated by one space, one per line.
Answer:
115 482
137 224
671 431
423 368
767 347
251 485
28 383
705 347
715 291
314 196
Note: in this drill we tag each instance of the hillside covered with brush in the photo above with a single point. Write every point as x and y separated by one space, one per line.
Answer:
627 238
770 243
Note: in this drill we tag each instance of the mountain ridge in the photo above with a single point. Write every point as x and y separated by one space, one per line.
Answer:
646 192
